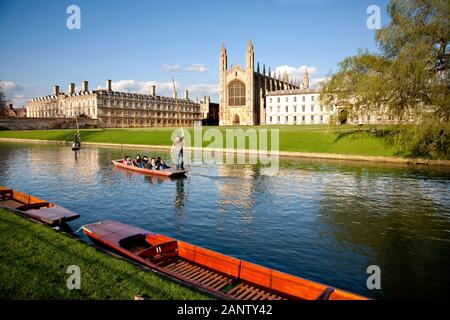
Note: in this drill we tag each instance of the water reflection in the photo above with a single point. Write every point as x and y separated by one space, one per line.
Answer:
323 220
179 198
236 190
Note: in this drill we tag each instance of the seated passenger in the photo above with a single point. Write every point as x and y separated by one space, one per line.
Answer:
128 160
156 164
148 165
162 165
138 162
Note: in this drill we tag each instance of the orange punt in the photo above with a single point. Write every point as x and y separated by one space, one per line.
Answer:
171 172
223 276
34 208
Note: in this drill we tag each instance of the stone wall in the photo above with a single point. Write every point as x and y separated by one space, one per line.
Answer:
9 123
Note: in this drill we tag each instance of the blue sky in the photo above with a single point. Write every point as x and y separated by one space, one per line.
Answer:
136 43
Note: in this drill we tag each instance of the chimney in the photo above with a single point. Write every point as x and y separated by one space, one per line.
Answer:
71 88
153 90
186 94
56 90
108 85
84 86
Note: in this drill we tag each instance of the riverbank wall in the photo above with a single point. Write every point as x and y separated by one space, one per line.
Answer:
12 123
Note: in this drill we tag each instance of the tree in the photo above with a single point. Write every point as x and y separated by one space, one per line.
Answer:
2 97
417 44
408 80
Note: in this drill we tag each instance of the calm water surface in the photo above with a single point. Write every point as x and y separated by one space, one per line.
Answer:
322 220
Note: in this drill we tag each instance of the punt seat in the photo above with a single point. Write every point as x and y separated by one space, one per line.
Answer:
6 194
159 252
30 206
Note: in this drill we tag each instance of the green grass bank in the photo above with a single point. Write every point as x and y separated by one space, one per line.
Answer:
348 140
34 261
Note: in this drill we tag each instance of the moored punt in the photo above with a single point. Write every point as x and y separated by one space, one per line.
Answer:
35 208
223 276
171 172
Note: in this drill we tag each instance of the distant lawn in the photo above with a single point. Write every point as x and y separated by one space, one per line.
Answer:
34 260
349 140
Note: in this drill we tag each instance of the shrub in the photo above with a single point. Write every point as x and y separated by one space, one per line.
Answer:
429 140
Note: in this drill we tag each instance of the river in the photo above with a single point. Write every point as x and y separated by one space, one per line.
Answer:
322 220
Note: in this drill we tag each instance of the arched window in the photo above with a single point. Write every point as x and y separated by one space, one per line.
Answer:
236 93
236 120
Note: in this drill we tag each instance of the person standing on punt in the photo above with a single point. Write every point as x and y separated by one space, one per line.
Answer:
177 147
76 140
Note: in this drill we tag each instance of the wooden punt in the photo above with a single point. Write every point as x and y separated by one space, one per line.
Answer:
35 208
171 172
223 276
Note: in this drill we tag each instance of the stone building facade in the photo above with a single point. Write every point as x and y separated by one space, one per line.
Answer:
299 106
243 90
210 112
302 106
254 97
116 109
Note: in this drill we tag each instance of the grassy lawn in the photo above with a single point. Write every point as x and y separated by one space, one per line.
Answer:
34 260
311 138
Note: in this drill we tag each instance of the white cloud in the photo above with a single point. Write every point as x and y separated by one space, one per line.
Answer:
142 87
165 88
296 73
203 89
171 67
315 82
10 87
197 67
13 93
